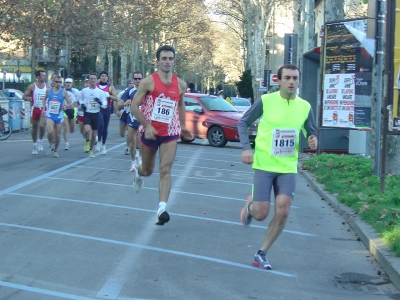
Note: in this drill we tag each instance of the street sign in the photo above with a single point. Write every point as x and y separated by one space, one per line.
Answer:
259 79
262 83
267 79
273 79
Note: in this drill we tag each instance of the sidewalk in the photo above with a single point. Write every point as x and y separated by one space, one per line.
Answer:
374 243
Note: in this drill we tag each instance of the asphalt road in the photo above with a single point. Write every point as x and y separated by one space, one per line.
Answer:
73 228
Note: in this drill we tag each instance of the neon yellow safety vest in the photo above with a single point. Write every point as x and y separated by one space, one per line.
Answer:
280 115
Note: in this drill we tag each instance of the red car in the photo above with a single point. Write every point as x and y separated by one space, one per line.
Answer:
213 118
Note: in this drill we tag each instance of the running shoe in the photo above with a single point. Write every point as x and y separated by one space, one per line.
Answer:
49 151
127 151
40 146
55 154
86 148
97 147
261 261
103 150
35 150
133 167
245 215
162 216
66 146
137 182
91 155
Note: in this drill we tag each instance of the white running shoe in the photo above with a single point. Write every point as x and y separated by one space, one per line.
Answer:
97 147
55 154
138 180
40 145
49 151
35 150
66 146
133 167
103 150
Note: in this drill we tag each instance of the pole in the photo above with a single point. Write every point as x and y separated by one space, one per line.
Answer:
379 56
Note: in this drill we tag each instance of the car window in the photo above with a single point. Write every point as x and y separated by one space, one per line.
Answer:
191 104
217 104
241 102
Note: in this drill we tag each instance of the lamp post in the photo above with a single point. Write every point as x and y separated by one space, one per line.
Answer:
195 82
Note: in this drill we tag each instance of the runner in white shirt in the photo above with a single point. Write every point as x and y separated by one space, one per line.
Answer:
35 94
71 113
91 99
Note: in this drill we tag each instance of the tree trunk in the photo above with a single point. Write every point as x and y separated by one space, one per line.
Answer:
100 63
134 57
110 66
124 63
334 10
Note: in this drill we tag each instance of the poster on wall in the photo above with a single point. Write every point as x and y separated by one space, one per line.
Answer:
395 126
347 86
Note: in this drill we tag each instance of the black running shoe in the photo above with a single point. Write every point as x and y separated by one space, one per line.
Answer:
162 218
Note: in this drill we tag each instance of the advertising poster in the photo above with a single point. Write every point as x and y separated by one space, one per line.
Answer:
348 75
396 72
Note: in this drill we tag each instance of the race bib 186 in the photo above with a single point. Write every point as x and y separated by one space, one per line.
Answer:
163 110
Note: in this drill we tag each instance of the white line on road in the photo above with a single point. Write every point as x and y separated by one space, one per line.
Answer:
163 250
152 211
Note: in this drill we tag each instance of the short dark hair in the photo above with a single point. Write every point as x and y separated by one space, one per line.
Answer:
191 86
291 67
219 87
164 48
37 73
103 72
137 72
92 74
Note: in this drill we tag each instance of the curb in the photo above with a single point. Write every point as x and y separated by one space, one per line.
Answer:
368 235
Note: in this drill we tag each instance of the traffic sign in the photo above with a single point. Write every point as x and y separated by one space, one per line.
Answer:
262 83
273 79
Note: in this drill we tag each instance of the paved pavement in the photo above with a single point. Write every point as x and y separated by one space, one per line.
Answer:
73 228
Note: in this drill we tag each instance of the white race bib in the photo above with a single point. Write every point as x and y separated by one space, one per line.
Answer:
54 107
41 97
283 142
163 110
93 104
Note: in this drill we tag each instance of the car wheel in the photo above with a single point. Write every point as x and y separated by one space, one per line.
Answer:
185 141
216 137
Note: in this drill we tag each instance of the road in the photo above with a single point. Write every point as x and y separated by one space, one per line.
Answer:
73 228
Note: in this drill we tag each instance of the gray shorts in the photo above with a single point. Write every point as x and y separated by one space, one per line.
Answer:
283 184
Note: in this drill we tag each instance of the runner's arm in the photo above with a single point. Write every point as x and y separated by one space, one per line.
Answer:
253 113
181 103
27 96
44 101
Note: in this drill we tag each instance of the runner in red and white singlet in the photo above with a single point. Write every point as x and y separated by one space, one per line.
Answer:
162 119
35 94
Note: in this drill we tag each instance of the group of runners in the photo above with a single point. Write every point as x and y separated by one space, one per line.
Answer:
58 108
156 108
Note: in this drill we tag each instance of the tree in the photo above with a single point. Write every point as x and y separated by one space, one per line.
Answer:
244 85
